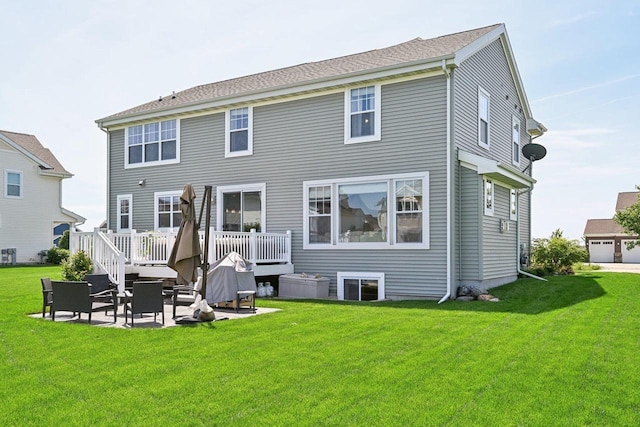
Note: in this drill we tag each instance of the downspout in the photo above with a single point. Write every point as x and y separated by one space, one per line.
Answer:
449 186
518 193
108 168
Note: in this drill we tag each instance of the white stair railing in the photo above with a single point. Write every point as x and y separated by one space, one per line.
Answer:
105 255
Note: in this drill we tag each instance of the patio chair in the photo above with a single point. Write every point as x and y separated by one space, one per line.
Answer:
78 297
185 294
47 295
101 286
147 297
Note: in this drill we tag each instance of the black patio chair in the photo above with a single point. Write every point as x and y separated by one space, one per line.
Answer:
47 294
147 297
78 297
101 286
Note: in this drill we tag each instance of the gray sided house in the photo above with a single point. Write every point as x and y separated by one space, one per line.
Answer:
398 171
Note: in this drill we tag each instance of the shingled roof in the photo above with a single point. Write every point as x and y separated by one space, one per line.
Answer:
626 199
412 51
42 155
609 226
602 226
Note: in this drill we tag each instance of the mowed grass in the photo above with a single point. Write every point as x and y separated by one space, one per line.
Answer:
563 353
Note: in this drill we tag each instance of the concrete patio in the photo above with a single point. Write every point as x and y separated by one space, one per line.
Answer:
99 318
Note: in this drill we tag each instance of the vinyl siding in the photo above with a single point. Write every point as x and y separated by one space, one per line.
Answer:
499 249
496 261
303 140
487 69
27 223
470 220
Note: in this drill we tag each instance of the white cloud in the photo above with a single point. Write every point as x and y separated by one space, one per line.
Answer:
573 19
576 138
587 88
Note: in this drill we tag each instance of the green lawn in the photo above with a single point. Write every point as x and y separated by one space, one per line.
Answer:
565 353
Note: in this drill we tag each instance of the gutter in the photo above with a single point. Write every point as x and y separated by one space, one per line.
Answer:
447 74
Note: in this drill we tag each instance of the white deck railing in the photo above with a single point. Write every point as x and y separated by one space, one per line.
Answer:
105 255
111 250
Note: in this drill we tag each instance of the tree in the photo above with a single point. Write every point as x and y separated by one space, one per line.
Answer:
557 254
629 220
63 243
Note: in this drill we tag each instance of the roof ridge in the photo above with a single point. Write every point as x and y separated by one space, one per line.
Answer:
385 58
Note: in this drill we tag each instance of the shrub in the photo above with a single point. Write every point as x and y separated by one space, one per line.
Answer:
77 266
557 254
57 255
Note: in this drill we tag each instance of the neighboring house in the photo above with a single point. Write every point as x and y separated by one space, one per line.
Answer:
605 240
398 170
31 215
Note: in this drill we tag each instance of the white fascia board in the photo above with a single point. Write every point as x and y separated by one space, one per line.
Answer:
495 170
79 219
61 175
284 91
28 154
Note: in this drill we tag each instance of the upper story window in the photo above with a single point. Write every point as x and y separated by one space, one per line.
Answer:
367 213
13 184
125 212
515 137
152 144
167 210
239 132
483 118
488 197
362 119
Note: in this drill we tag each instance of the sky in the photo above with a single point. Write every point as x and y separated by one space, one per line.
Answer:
68 63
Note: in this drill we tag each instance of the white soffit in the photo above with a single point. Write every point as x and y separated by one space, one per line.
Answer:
495 170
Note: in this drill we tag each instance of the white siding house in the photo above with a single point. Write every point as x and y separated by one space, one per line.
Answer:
30 203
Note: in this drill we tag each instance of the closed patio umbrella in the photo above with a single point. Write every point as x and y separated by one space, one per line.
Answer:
185 254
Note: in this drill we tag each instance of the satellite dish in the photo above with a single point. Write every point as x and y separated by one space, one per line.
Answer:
534 152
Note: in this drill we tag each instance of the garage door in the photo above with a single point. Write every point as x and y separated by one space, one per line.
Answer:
601 250
630 256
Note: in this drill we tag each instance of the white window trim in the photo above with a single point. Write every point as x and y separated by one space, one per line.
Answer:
261 187
488 211
157 162
156 195
516 120
391 214
6 184
120 198
376 116
513 216
342 275
227 134
482 92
